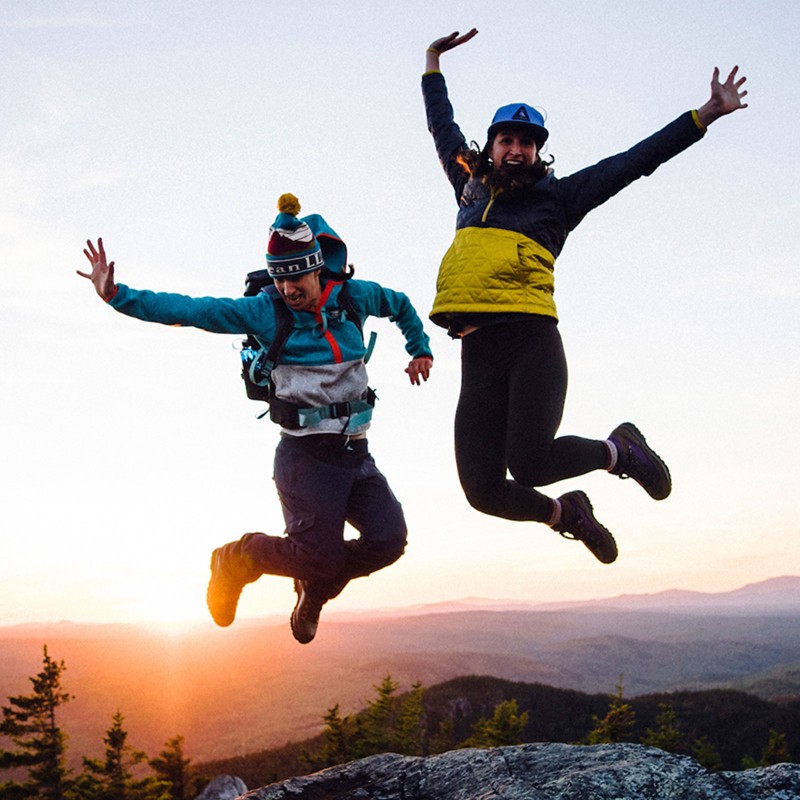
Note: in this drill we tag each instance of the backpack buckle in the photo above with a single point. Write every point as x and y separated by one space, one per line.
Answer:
339 409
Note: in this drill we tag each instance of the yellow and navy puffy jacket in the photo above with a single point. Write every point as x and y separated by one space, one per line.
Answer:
506 244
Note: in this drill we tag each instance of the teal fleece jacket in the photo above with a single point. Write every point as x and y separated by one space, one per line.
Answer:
255 315
322 360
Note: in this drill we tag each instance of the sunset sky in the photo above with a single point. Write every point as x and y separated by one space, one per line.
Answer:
129 451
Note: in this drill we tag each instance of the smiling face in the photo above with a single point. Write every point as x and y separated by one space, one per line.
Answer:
301 292
513 147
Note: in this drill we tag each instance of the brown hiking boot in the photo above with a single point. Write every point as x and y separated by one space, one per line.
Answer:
231 570
305 616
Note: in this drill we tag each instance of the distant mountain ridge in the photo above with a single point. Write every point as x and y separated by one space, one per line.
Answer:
209 684
781 594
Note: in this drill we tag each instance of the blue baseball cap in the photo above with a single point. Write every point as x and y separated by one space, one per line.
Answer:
520 115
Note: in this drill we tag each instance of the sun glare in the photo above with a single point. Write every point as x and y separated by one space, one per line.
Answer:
174 610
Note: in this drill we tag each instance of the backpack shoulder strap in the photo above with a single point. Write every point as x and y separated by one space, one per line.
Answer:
283 327
352 313
347 304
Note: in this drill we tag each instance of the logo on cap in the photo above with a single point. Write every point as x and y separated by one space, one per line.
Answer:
521 114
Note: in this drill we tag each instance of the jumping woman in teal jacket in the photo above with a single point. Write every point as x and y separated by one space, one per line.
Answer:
495 292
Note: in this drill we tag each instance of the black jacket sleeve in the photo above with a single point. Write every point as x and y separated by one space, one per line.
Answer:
447 136
592 186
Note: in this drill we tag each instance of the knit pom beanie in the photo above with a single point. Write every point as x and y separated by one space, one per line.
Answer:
292 248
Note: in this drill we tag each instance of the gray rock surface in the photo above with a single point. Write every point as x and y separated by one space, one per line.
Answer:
537 772
223 787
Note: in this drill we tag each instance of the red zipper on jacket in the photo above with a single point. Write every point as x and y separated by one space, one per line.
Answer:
329 338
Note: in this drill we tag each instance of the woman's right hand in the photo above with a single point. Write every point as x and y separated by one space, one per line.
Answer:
444 44
451 41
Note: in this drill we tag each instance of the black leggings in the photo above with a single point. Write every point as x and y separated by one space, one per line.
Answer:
513 384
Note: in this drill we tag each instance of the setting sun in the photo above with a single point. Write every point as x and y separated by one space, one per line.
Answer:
174 608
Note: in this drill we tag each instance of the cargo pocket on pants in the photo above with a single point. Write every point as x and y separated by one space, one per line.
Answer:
297 524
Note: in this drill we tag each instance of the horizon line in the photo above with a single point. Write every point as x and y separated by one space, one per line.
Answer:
468 603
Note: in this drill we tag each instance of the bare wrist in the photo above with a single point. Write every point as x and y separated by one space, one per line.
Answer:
432 60
109 296
707 113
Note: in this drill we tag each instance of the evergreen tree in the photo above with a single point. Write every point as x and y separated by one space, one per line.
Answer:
775 752
173 769
706 754
112 777
411 734
387 724
377 733
30 722
667 736
506 727
336 749
444 739
617 725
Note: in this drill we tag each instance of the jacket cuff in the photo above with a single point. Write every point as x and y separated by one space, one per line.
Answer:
697 122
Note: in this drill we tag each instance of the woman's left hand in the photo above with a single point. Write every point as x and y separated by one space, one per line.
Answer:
725 97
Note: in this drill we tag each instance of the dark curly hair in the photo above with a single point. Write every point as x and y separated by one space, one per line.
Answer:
345 275
477 164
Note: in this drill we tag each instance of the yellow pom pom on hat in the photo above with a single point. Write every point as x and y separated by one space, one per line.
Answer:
292 248
289 204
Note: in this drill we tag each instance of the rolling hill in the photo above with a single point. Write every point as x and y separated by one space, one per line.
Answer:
236 690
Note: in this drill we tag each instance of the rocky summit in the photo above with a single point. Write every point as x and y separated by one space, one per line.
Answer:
537 772
223 787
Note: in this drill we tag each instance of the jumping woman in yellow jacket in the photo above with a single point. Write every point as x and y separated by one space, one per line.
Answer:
495 293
